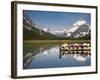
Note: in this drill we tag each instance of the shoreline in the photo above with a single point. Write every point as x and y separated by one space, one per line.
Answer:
56 41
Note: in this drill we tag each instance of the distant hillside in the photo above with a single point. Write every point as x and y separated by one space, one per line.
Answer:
31 32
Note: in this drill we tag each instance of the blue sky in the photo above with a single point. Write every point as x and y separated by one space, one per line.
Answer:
56 20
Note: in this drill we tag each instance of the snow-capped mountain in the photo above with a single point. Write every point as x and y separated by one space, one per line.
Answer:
79 29
59 33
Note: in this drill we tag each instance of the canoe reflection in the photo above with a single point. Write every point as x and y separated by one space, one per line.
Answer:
78 55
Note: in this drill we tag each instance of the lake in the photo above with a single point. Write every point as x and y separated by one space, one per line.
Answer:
36 56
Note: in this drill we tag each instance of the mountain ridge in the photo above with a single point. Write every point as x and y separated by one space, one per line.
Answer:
31 31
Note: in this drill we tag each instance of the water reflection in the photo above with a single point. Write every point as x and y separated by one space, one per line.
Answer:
50 56
78 55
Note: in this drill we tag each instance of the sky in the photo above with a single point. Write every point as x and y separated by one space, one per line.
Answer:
56 20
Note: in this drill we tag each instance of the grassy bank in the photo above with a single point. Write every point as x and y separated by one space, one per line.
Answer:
56 41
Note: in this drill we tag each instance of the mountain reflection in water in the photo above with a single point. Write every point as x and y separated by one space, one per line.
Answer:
50 56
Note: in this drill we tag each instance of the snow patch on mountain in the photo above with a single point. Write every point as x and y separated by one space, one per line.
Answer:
79 23
76 25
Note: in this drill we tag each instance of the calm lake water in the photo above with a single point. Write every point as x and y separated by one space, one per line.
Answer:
50 56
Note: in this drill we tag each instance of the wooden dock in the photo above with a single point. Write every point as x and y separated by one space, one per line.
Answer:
75 47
